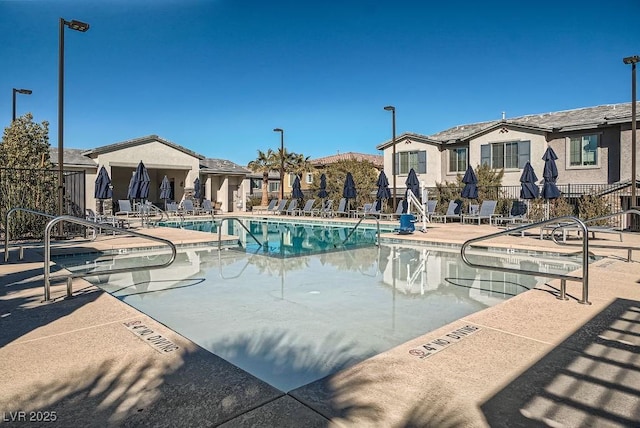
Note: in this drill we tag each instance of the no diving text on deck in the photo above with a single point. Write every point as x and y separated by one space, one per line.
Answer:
150 337
437 345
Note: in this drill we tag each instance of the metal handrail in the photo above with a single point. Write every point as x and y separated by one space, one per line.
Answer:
88 223
6 226
604 217
358 224
563 286
241 224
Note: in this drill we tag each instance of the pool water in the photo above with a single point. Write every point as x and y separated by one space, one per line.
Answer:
291 321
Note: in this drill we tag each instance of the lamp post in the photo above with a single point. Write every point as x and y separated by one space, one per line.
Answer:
392 109
77 26
18 91
633 60
281 131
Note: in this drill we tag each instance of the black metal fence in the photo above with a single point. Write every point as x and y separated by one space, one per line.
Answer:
37 189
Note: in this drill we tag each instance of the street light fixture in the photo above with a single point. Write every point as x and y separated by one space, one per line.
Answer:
77 26
392 109
633 60
281 131
18 91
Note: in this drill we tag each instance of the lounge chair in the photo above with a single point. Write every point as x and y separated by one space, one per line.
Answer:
308 208
342 208
453 212
124 208
187 207
291 209
324 210
172 208
104 219
270 208
431 208
487 211
361 212
206 207
517 214
280 208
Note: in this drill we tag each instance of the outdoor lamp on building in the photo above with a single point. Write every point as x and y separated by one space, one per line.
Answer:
18 91
281 131
392 109
633 60
77 26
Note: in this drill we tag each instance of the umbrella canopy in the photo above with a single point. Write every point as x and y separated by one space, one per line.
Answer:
550 175
197 189
296 191
383 190
528 179
349 189
165 189
470 190
103 188
322 192
139 184
413 183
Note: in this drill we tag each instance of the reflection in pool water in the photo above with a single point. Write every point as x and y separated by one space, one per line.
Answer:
290 321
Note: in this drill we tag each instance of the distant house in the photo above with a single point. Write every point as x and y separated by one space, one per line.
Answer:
222 180
593 145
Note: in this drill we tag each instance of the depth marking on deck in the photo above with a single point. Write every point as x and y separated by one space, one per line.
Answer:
437 345
150 337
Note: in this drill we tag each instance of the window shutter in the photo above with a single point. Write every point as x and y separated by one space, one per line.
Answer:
485 154
523 153
422 162
397 162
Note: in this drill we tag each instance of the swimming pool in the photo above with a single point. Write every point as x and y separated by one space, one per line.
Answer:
290 238
291 321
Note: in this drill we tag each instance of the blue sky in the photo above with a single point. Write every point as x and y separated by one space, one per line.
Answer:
217 76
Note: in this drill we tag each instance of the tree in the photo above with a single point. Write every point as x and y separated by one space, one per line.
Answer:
299 164
364 174
28 179
264 163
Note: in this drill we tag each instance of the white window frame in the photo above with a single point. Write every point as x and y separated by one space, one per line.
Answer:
568 145
456 150
505 154
274 186
309 178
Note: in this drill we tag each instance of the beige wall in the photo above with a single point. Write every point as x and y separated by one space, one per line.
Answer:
434 164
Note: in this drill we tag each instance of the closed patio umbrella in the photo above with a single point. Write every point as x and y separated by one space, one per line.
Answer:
139 185
412 184
322 192
549 175
296 190
165 190
470 190
103 188
197 189
528 182
349 189
383 190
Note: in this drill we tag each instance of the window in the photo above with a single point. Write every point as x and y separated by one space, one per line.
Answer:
583 151
407 160
309 178
458 160
291 178
274 186
256 183
509 154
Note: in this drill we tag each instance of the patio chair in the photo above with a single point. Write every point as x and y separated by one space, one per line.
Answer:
124 208
270 208
104 219
292 207
487 211
187 207
324 210
431 208
172 208
308 208
517 214
454 211
206 207
342 208
361 212
281 207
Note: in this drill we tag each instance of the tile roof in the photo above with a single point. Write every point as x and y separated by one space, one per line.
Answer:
580 118
137 141
377 160
222 166
72 157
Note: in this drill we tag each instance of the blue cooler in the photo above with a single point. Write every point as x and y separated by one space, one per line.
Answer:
406 224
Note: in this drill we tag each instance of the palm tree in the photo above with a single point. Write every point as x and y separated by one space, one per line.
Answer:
299 164
264 163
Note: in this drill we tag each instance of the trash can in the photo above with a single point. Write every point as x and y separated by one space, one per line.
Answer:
406 223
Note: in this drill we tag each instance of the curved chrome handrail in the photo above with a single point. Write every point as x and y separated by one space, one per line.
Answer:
6 226
88 223
241 224
358 224
585 257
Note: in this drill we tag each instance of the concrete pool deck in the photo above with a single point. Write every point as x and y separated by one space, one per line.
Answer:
533 360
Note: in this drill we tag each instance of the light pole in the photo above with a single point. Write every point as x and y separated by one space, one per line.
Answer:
281 131
633 60
392 109
82 27
18 91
